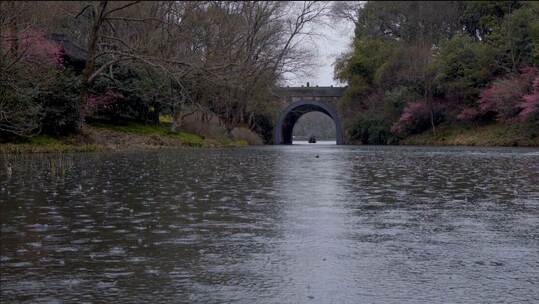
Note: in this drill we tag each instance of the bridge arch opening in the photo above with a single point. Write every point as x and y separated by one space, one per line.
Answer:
314 125
290 115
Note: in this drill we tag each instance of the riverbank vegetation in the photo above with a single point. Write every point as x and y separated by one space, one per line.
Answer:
494 134
99 136
69 68
47 144
451 71
66 64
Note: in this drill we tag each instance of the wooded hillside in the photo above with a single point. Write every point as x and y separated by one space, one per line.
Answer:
416 65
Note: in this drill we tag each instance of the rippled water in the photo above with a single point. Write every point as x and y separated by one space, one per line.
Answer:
288 224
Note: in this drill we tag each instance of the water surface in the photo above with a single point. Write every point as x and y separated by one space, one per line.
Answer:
281 224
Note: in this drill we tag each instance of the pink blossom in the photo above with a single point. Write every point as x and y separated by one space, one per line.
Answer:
530 104
416 116
504 96
412 112
469 114
35 47
101 102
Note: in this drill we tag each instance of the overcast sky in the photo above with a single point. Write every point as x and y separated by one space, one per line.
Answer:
329 46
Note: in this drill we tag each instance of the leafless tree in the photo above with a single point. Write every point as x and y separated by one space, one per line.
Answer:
218 56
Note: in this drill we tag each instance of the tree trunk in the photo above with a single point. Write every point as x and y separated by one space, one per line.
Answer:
14 45
90 62
176 117
431 109
173 126
432 119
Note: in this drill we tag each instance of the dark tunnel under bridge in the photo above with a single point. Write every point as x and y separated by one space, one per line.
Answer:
290 115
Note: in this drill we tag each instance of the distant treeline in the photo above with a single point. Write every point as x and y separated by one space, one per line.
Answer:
416 65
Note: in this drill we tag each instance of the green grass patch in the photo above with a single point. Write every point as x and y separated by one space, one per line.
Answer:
233 142
188 139
45 140
496 134
132 127
46 144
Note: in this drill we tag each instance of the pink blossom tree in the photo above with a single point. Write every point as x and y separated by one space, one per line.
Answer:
418 116
530 104
504 97
36 48
28 63
469 114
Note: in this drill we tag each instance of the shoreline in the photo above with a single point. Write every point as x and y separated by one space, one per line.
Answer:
14 149
133 137
112 138
490 135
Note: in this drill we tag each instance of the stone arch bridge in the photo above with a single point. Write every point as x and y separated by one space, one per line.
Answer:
296 101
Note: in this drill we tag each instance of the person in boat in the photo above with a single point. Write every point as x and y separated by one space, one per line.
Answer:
312 140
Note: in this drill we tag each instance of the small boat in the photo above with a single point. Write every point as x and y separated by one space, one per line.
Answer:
312 140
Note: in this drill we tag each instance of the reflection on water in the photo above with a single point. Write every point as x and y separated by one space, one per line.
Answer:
272 225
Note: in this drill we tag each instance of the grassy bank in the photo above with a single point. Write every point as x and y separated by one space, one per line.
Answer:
47 144
103 137
153 131
517 134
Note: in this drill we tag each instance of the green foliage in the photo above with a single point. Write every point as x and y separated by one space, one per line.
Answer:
138 90
479 18
263 125
516 39
409 55
37 94
373 126
533 28
464 67
366 66
370 130
60 104
20 114
396 99
20 84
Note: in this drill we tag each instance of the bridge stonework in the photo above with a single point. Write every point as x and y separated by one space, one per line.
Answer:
296 101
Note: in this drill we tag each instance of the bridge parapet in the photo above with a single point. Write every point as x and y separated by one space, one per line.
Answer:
293 94
310 91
